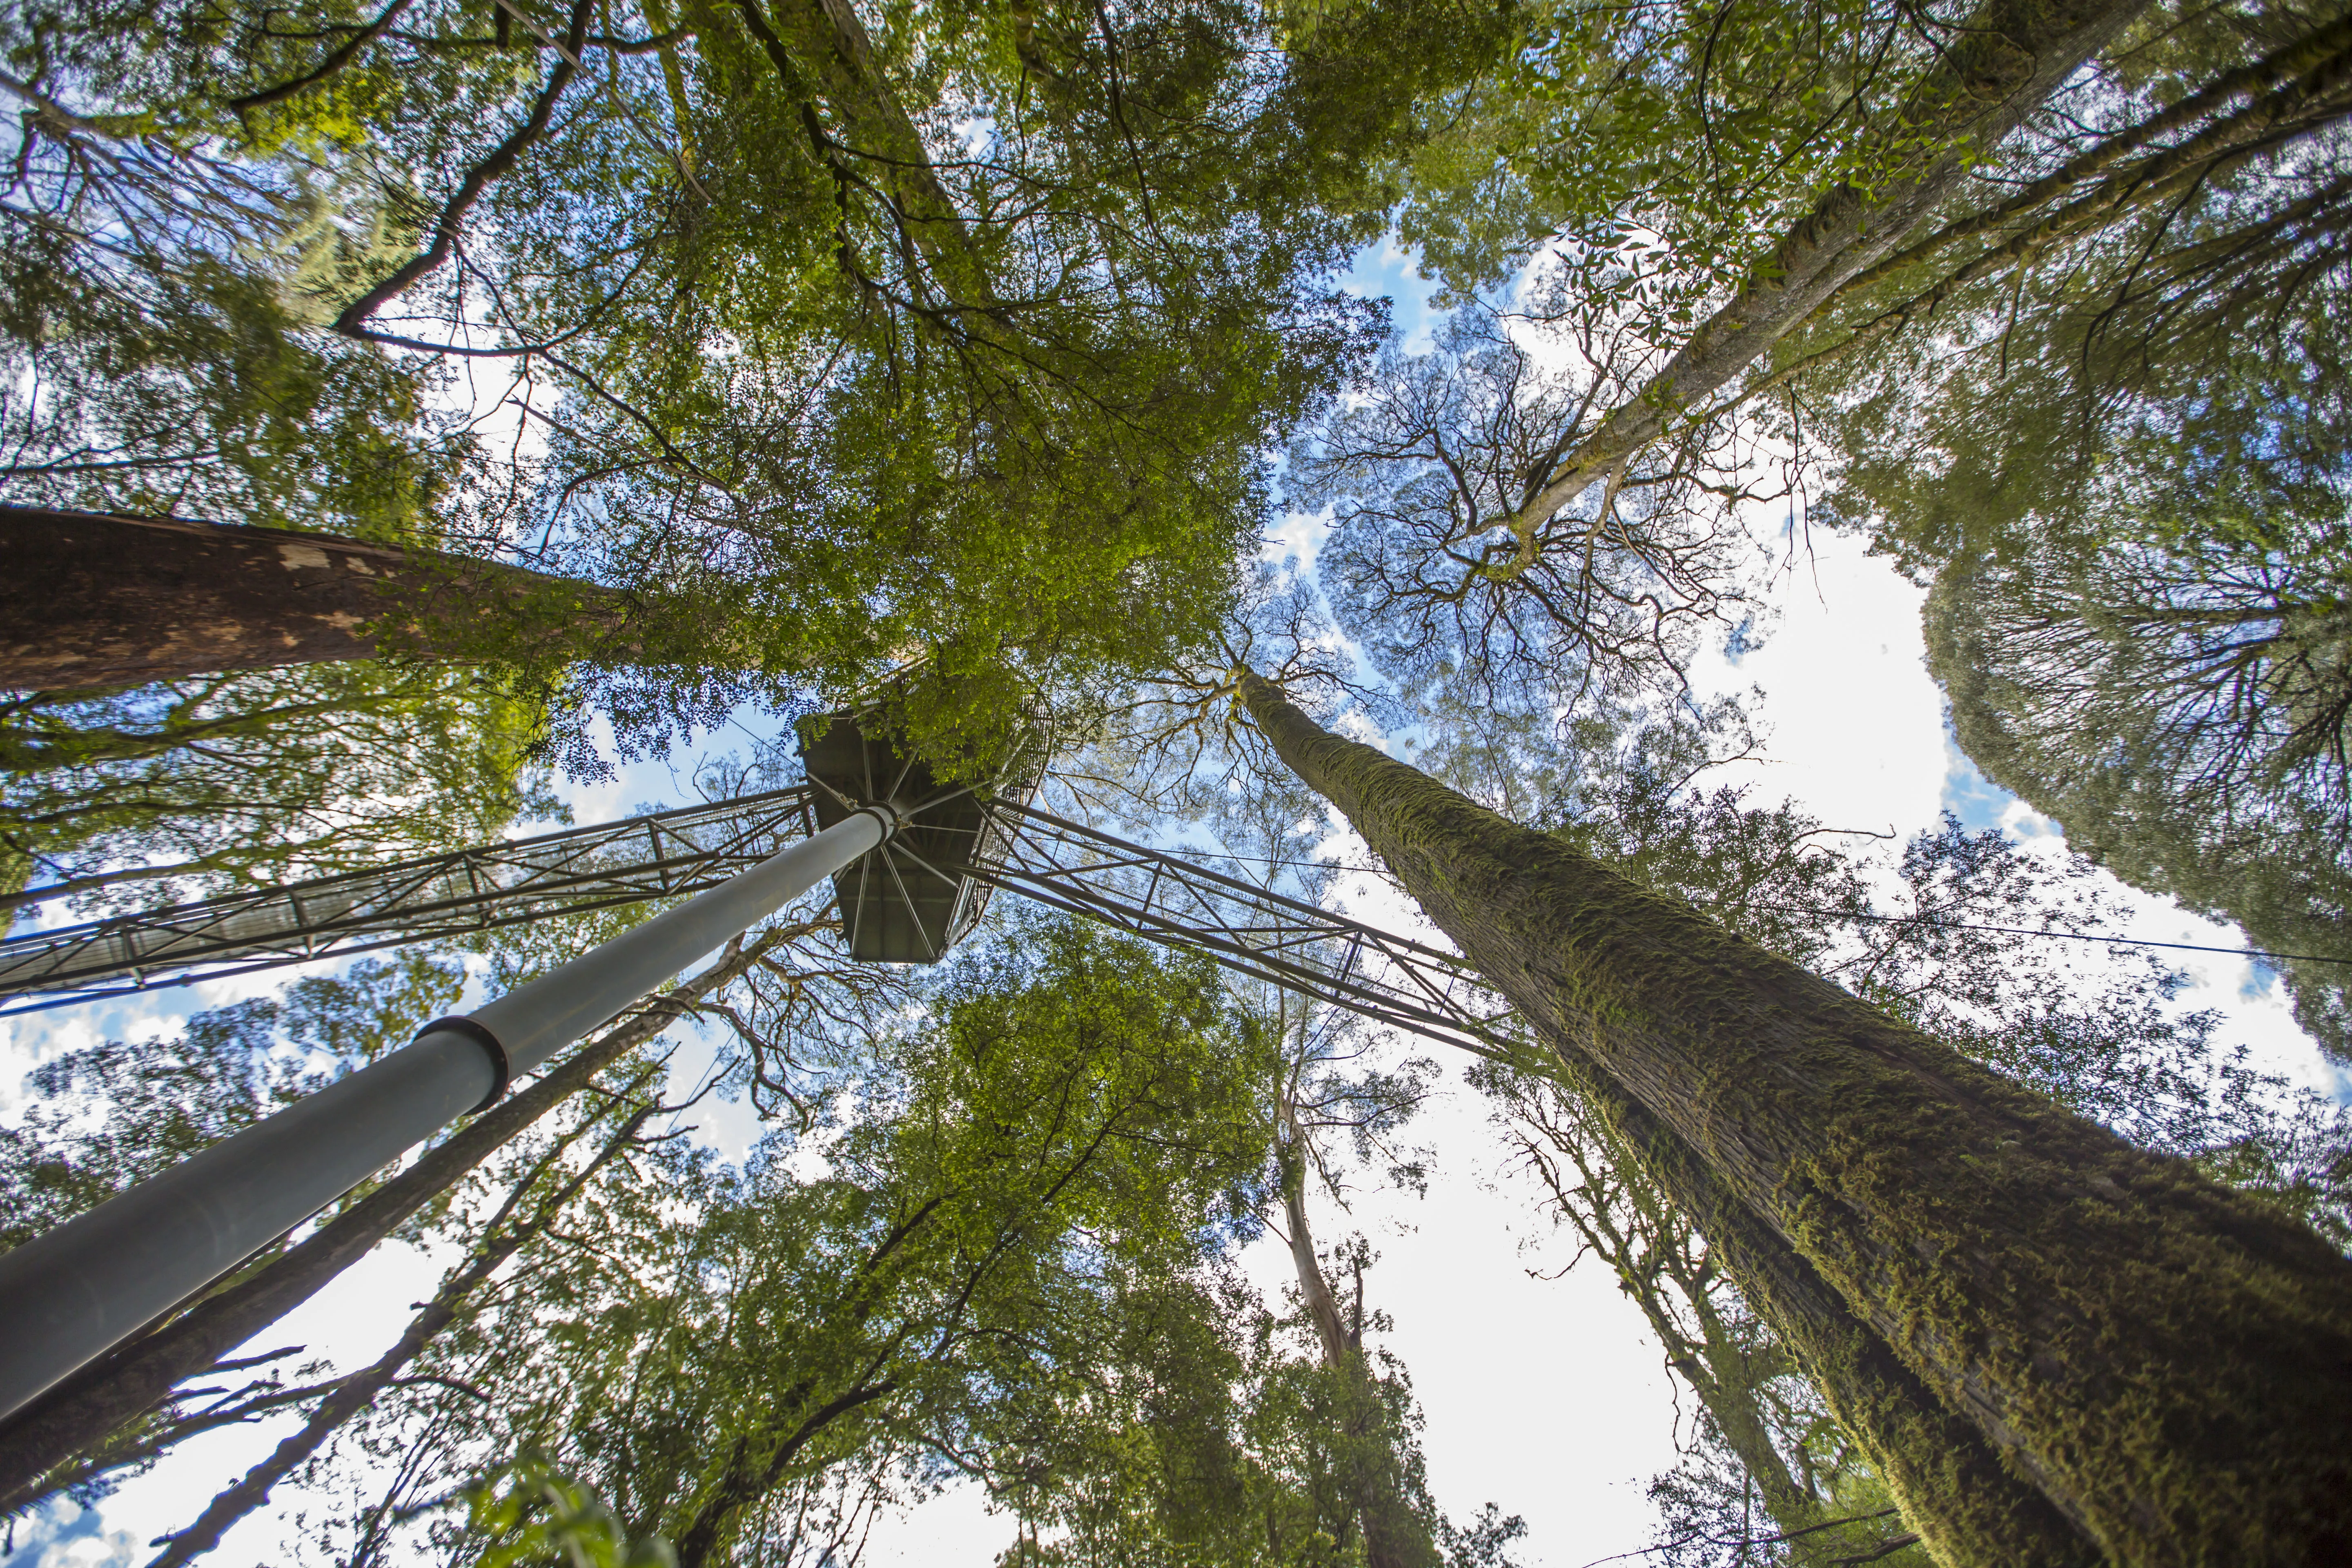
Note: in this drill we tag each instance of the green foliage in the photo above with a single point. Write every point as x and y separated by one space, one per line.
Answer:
543 1513
2124 461
997 1197
2174 377
2185 715
935 331
1660 147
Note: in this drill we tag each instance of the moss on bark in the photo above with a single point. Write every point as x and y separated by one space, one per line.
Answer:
2167 1361
1969 1510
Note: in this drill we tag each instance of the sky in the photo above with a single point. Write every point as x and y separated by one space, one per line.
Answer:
1540 1389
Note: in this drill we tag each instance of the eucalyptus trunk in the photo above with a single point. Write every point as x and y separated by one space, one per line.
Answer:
2168 1362
1387 1523
1966 1505
1996 69
94 601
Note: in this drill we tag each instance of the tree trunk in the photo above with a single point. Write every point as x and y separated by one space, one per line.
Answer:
121 1387
1729 1386
88 600
2167 1361
1380 1511
1998 68
1949 1481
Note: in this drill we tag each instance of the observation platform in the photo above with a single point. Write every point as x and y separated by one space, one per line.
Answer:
908 902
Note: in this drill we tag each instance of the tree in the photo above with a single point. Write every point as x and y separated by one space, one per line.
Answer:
2183 714
98 601
1435 452
258 779
2120 456
1376 1466
942 1261
955 336
1817 1496
1725 213
1947 953
530 1210
1667 350
1847 1133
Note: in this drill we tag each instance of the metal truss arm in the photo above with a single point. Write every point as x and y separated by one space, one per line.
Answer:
664 854
1157 895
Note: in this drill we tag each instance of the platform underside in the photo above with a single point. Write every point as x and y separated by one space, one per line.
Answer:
902 903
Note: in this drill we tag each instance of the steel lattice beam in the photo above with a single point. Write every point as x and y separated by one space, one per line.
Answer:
666 855
1161 896
1176 902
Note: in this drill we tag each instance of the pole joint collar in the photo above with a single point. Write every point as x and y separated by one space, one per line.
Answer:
501 1065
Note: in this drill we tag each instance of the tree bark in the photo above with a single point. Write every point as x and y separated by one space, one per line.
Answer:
2167 1361
135 1378
1968 1507
90 600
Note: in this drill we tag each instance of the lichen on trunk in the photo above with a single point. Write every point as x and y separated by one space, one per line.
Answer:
2167 1361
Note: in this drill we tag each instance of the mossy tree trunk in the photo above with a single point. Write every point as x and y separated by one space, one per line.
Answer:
94 601
2167 1361
1967 1506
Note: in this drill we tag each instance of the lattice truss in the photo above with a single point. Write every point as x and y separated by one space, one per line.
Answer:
666 855
1155 894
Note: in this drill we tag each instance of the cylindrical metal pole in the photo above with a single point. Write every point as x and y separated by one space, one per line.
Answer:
68 1296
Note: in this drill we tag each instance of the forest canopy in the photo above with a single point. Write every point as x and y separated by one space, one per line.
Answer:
419 411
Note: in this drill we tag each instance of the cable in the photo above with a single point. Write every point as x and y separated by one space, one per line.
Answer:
2263 954
1883 920
2067 935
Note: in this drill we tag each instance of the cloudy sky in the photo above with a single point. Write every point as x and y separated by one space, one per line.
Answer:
1540 1389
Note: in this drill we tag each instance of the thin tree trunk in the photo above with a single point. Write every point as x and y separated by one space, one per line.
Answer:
1322 1308
357 1392
1648 1245
1379 1509
1998 68
93 601
2167 1361
1732 1400
121 1387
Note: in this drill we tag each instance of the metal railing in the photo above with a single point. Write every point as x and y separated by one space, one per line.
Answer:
1160 895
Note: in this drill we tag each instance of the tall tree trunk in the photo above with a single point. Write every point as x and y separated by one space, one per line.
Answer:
2167 1361
1996 68
1380 1512
1950 1482
122 1388
88 600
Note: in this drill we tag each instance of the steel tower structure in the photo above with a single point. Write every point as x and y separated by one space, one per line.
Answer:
913 863
1008 845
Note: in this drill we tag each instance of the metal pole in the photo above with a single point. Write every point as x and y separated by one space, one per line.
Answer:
74 1293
